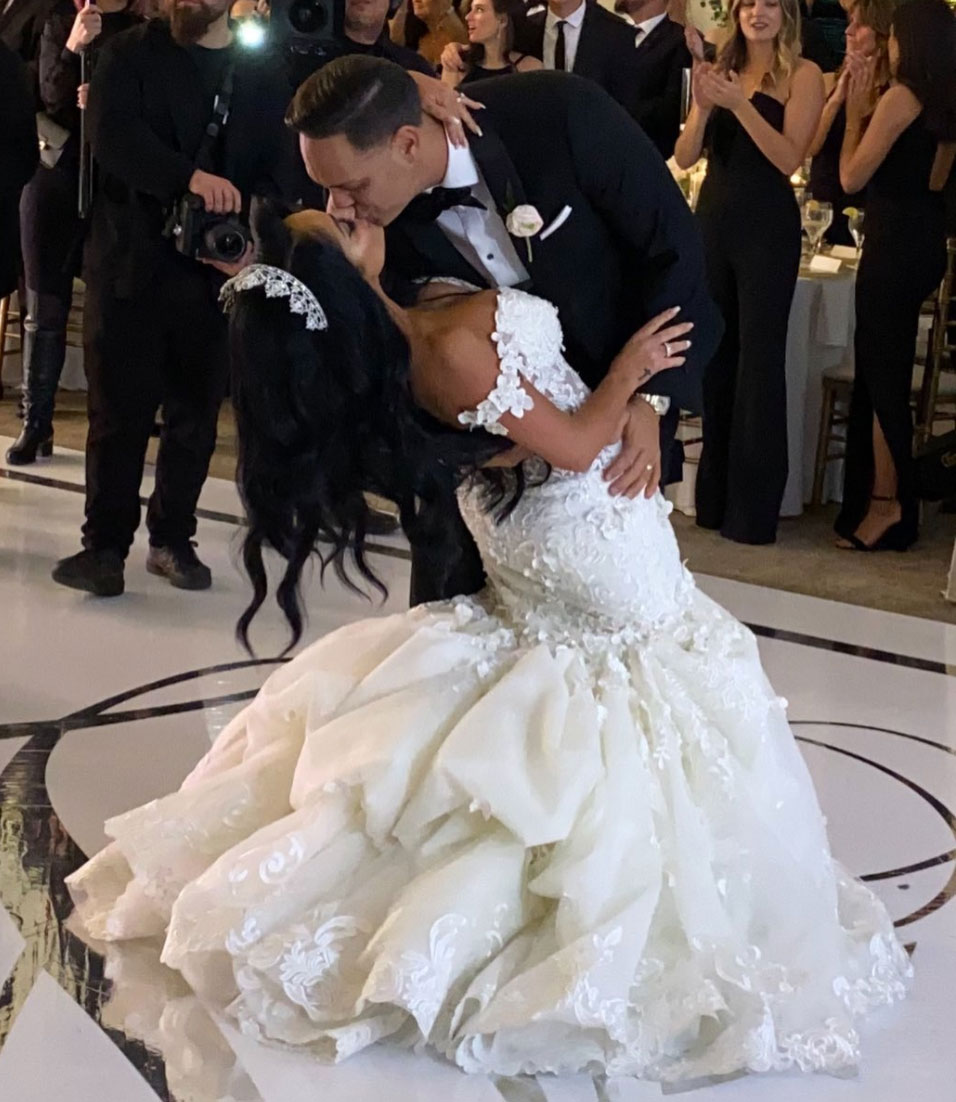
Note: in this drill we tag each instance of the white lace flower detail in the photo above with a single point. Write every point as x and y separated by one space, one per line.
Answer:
278 283
509 396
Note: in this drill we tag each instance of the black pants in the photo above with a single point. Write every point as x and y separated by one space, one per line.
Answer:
904 257
743 465
167 348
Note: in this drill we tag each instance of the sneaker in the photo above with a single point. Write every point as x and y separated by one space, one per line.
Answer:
180 566
96 572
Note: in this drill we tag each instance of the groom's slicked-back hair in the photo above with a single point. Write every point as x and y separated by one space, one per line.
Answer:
366 99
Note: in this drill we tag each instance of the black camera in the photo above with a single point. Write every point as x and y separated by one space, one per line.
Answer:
204 236
302 25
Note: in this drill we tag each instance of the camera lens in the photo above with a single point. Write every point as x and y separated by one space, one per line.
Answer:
309 17
226 243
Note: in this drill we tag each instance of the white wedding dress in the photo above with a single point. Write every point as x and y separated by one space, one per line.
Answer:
560 826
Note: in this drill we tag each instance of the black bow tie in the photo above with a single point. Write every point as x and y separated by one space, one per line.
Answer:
430 204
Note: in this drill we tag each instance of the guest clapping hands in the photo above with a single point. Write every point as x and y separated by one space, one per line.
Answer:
903 152
867 35
756 110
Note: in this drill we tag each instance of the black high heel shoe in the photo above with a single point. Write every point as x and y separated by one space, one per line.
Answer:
898 537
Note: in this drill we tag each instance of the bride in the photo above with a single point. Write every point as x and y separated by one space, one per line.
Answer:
558 826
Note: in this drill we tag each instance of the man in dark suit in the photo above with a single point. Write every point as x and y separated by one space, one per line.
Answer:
656 73
623 245
581 37
18 159
155 334
813 41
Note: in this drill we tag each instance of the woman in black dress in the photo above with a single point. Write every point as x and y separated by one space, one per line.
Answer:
756 110
904 159
867 36
490 53
50 227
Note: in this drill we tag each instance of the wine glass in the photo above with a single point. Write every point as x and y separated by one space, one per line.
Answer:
817 218
854 220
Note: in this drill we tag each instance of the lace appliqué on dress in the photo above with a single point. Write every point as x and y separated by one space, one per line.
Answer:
508 396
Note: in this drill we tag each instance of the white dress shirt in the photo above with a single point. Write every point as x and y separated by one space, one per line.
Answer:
479 235
572 35
645 27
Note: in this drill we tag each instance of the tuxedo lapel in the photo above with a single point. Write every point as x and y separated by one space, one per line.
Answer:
498 169
504 183
427 251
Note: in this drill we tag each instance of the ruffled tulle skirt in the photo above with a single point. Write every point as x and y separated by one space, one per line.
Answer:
429 830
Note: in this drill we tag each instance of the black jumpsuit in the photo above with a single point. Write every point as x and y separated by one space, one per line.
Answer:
751 227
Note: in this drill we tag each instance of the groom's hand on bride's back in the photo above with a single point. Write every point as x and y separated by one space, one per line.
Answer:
637 468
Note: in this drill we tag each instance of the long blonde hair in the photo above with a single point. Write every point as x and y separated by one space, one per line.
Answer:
732 55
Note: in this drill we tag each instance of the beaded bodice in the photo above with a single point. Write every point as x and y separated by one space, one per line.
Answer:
570 560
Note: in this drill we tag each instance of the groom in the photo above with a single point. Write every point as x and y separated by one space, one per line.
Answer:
615 243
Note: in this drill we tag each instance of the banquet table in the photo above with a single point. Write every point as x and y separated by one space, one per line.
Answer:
820 336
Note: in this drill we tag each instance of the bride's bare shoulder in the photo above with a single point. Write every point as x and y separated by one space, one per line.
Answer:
456 362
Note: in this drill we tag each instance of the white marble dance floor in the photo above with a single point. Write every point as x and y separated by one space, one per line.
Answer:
104 705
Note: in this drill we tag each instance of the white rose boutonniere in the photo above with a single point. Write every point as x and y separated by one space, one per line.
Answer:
525 222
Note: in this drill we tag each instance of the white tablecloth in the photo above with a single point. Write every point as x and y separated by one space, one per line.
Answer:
822 321
820 336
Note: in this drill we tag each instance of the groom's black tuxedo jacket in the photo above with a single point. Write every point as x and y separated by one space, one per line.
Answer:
630 247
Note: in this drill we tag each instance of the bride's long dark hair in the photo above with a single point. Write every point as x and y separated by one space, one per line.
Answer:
324 417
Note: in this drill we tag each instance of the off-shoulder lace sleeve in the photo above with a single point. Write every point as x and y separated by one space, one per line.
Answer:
509 395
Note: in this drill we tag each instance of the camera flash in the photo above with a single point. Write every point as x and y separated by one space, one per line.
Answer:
251 33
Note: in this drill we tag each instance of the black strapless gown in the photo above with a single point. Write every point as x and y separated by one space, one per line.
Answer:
751 227
904 257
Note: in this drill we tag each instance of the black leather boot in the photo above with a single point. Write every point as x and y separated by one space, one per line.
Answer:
32 444
44 350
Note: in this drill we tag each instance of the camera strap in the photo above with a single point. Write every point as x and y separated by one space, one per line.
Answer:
219 118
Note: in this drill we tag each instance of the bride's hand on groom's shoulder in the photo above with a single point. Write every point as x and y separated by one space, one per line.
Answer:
452 109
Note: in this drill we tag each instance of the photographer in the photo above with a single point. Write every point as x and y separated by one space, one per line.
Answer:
168 161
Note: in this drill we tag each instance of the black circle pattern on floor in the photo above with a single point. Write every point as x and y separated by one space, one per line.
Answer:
33 891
